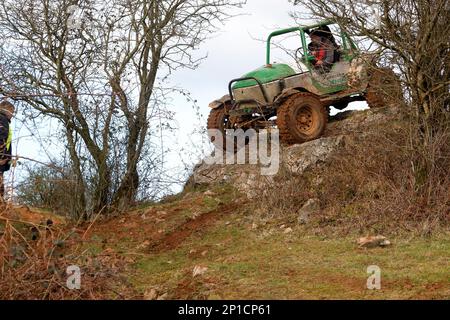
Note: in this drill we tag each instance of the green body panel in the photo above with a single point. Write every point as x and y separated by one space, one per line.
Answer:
328 89
335 82
265 74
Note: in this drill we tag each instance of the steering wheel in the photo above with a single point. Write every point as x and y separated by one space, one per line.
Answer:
300 59
299 55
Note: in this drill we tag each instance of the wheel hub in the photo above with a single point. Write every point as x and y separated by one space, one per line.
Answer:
305 119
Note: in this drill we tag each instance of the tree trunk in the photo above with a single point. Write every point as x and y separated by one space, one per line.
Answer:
102 190
79 209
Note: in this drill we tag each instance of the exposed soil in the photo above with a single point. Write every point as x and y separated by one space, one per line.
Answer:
175 238
32 216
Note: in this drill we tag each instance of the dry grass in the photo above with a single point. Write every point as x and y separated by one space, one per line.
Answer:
242 261
372 185
34 259
368 186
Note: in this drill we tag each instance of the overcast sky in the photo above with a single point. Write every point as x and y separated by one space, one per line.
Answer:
236 49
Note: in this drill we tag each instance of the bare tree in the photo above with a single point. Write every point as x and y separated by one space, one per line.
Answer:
409 34
96 67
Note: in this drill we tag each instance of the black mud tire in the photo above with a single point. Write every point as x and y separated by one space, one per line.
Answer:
340 105
217 119
383 88
302 117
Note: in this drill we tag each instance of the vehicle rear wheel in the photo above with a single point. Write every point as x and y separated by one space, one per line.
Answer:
384 88
301 118
218 120
340 105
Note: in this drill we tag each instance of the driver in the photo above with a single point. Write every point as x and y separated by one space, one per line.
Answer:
323 48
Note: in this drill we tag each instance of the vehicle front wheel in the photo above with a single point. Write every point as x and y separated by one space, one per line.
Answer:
302 117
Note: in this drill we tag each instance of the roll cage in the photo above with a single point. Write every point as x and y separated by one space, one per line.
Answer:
348 50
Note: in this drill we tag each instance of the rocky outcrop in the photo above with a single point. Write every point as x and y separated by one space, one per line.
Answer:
311 207
247 177
296 159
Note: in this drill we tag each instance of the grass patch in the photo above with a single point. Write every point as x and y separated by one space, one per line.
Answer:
296 266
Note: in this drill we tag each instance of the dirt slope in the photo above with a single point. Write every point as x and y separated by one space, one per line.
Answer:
242 237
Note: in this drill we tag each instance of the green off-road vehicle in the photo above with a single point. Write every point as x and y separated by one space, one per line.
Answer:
298 102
